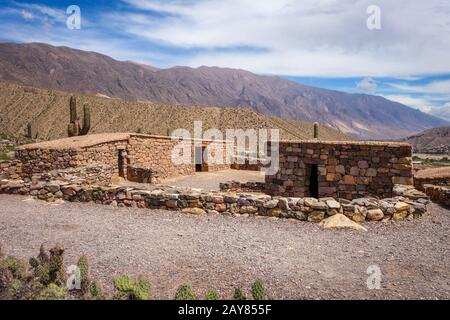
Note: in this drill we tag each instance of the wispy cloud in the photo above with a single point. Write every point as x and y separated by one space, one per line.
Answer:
367 85
308 38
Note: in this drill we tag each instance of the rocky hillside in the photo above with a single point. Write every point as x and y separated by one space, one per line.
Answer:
432 138
66 69
48 113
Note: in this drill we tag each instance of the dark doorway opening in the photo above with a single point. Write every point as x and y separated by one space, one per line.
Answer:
121 162
198 159
313 181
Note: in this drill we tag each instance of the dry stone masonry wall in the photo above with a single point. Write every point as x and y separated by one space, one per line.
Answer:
344 170
407 203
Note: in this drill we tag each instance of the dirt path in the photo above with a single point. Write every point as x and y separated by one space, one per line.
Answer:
209 181
294 259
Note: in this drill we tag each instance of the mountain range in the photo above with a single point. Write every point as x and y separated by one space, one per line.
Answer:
359 115
46 112
430 138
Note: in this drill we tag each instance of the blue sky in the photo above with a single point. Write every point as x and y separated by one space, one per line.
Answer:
324 43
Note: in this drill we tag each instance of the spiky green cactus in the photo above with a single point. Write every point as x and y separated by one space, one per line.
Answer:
211 295
127 289
239 294
56 265
73 129
258 291
83 265
184 292
52 292
28 133
316 130
86 120
95 290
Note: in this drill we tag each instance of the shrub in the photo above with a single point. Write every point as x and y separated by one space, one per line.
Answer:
184 292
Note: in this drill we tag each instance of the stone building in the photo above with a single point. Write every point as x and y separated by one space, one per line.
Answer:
310 168
136 157
349 169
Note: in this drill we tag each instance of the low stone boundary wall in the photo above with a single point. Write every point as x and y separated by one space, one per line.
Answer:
440 181
143 175
194 202
246 164
95 174
438 194
11 169
236 186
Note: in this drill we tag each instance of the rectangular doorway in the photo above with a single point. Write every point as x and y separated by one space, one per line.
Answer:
121 164
201 164
313 180
198 159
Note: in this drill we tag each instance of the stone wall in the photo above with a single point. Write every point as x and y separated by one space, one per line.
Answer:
156 153
406 206
438 194
11 169
236 186
344 169
438 181
98 174
143 153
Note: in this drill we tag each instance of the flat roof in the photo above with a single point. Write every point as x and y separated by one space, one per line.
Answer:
349 142
80 142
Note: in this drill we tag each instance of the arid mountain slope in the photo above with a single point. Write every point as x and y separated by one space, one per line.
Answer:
62 68
430 138
48 113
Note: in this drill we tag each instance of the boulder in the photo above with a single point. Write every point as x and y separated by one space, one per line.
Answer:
316 216
375 214
271 204
333 204
193 211
339 221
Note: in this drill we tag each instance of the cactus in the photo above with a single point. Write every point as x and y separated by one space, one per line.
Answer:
83 265
211 295
56 265
127 289
73 129
52 292
49 269
28 133
239 295
86 120
95 290
258 291
316 130
184 292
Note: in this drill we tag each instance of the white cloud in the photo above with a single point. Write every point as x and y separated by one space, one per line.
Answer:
440 87
442 112
27 15
367 85
418 103
307 38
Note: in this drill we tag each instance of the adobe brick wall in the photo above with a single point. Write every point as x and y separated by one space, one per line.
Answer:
345 169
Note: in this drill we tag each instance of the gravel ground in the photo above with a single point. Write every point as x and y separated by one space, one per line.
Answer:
296 260
209 181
